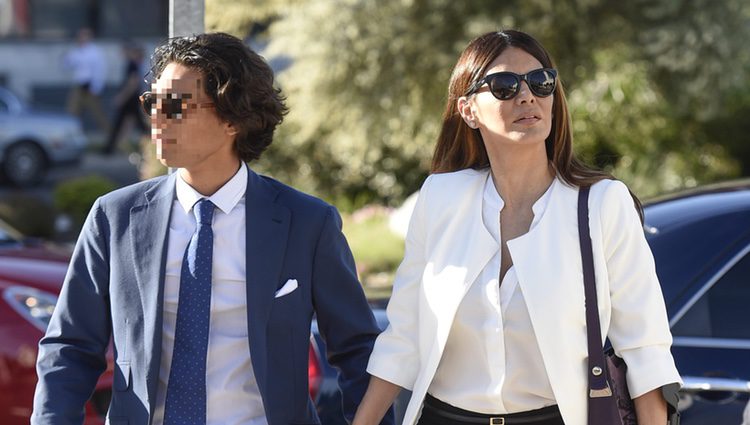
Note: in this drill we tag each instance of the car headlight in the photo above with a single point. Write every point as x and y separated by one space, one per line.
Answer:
32 304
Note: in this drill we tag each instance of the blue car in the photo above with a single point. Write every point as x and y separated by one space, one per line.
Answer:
701 242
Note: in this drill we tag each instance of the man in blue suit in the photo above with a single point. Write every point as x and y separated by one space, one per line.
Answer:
207 279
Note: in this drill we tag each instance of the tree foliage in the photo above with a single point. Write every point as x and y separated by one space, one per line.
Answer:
658 88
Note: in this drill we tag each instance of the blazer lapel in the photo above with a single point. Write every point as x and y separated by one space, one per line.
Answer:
149 230
460 254
267 229
548 264
460 247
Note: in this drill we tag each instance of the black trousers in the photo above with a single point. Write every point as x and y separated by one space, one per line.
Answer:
436 412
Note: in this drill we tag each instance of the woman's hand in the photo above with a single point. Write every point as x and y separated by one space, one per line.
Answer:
651 408
378 398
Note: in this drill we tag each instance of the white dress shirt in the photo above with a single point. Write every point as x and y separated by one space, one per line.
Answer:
232 394
492 362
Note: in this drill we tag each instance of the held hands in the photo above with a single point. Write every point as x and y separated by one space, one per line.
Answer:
378 398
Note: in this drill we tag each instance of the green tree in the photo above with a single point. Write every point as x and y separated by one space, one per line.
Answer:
658 89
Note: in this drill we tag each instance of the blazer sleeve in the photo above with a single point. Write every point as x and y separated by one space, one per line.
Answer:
72 352
639 327
395 357
345 319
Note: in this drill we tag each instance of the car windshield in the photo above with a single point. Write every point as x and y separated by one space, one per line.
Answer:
9 102
8 236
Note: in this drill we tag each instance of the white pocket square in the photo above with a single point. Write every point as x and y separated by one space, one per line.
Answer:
288 287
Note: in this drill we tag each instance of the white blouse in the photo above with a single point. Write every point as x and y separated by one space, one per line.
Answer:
492 362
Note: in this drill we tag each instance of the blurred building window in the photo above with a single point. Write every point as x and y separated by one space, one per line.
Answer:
58 19
134 18
722 311
61 19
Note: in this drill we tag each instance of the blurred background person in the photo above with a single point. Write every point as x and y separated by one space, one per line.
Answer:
86 63
128 109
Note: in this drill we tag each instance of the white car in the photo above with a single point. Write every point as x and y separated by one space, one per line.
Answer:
31 142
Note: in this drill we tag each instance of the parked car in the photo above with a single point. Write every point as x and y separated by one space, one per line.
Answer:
31 273
701 244
31 142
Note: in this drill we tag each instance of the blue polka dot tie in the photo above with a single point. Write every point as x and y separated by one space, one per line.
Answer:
186 389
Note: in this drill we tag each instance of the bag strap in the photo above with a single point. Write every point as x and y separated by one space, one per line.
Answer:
597 376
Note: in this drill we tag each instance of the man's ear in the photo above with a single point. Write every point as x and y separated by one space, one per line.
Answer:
230 129
465 108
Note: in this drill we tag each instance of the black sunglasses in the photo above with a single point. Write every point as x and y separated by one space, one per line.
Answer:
506 85
173 105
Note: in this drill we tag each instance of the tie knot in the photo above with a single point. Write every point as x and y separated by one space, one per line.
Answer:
203 211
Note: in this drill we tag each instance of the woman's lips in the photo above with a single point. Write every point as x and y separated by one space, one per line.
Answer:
527 120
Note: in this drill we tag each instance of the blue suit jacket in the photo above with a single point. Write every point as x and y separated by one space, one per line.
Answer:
114 289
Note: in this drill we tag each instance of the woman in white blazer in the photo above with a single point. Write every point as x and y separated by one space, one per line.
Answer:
487 315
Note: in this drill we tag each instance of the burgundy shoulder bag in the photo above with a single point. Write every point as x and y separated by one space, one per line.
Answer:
609 399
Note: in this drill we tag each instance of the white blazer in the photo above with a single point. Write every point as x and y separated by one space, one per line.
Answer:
447 246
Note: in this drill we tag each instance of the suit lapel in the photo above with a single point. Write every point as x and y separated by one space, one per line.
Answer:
149 230
267 229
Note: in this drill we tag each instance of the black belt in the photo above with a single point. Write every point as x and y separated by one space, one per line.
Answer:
452 413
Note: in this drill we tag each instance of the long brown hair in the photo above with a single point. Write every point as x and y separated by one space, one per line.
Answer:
459 146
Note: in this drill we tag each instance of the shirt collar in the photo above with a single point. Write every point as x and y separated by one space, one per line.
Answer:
225 199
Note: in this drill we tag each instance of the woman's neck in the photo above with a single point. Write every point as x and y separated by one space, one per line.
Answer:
521 174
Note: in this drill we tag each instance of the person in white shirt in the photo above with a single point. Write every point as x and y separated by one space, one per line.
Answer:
206 280
487 315
89 70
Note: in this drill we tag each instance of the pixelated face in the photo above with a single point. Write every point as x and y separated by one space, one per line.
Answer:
184 125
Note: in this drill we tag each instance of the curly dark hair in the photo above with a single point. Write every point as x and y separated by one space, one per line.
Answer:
238 80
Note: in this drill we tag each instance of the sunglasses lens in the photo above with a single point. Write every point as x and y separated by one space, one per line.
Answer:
147 102
541 82
172 106
504 86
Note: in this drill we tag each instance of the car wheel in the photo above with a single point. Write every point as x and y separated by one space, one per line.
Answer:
25 164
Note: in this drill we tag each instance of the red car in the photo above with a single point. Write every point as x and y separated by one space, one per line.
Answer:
31 274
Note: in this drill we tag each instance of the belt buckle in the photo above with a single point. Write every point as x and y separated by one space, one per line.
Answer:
497 421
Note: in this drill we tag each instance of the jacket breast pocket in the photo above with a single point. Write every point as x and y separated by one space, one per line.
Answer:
121 380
